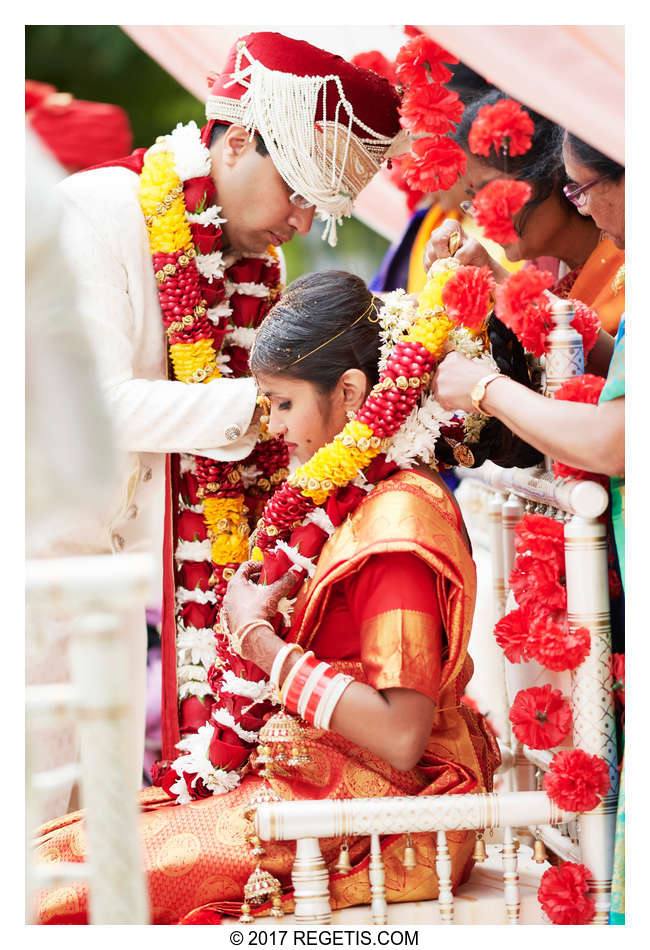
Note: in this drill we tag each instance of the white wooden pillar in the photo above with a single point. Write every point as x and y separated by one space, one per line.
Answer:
591 694
310 884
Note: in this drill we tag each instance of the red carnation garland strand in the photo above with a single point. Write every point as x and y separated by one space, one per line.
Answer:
504 126
468 296
563 894
587 389
428 109
576 781
495 205
540 717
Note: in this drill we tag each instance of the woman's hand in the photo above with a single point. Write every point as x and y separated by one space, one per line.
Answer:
454 380
449 240
247 600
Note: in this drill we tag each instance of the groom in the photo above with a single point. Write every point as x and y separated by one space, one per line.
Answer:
322 129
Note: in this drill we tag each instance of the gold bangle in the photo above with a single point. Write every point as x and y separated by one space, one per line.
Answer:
237 638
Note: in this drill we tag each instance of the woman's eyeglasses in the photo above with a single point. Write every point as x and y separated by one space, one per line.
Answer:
577 194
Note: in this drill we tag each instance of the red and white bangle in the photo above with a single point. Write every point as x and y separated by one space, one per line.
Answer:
305 659
330 699
278 663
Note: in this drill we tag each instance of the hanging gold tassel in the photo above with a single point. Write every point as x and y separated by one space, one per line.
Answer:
480 852
410 860
539 851
276 910
343 865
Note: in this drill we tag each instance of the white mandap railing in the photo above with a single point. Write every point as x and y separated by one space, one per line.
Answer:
505 495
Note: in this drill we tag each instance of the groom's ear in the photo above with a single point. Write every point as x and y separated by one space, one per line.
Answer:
354 386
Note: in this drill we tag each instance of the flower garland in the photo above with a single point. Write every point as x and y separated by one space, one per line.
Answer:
430 111
524 307
540 717
504 126
563 894
538 629
495 205
586 389
306 509
210 304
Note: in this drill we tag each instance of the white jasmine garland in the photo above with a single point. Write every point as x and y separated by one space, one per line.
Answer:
190 671
196 759
193 550
194 688
205 218
196 596
222 311
197 643
321 519
211 266
298 559
238 686
225 718
247 287
241 336
187 463
416 440
191 157
223 361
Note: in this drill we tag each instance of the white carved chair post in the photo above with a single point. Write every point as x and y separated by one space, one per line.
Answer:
594 728
96 592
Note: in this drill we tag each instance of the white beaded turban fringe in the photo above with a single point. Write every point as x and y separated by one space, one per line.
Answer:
327 133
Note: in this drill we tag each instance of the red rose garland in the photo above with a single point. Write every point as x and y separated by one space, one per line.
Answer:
562 894
495 205
576 781
504 126
540 717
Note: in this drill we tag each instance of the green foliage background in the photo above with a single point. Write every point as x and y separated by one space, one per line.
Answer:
103 64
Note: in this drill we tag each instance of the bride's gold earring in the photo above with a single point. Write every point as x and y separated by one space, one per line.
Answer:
350 414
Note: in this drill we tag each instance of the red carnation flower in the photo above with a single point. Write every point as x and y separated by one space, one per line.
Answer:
587 323
511 633
496 203
540 717
434 164
377 62
586 388
538 584
420 60
431 108
521 305
555 646
503 126
618 674
576 781
540 536
562 894
468 295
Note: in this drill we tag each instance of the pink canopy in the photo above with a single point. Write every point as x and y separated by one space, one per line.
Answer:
575 75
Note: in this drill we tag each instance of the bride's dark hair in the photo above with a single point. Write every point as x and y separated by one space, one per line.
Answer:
326 323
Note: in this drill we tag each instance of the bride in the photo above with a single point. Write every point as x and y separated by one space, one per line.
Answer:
371 585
